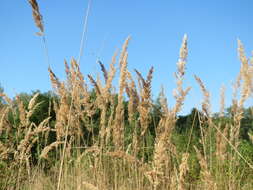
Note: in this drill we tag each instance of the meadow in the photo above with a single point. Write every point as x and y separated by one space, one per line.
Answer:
89 134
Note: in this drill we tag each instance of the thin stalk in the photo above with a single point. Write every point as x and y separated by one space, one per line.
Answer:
72 100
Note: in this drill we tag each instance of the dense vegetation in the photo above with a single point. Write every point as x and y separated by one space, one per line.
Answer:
83 137
96 133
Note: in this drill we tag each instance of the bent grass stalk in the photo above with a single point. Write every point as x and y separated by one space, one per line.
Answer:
71 105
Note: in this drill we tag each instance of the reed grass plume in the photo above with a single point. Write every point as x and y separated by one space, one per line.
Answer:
36 15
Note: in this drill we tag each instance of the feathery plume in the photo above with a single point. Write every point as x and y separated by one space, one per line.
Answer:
103 70
206 102
36 15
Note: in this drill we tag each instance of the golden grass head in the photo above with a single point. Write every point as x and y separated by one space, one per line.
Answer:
206 102
47 149
36 15
222 101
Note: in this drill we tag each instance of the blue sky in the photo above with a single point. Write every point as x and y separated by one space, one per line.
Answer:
156 28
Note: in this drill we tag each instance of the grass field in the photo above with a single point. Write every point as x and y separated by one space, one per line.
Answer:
99 138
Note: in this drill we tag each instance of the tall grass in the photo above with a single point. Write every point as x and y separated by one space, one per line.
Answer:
102 139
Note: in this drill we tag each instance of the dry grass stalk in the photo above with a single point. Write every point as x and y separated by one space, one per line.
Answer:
160 148
67 70
89 186
118 127
236 86
79 91
141 79
163 102
145 102
76 84
206 119
36 15
244 80
206 102
222 101
124 51
206 177
161 158
109 128
179 93
77 78
103 102
31 111
241 53
47 149
4 151
95 150
246 73
173 184
22 112
80 77
62 117
28 150
94 83
24 144
75 98
32 106
68 75
154 178
99 83
110 77
167 122
3 119
133 97
23 147
123 155
231 144
103 120
183 53
54 80
183 168
32 102
133 104
221 143
237 112
103 69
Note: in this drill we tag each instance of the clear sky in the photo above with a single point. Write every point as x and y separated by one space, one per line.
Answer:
156 27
